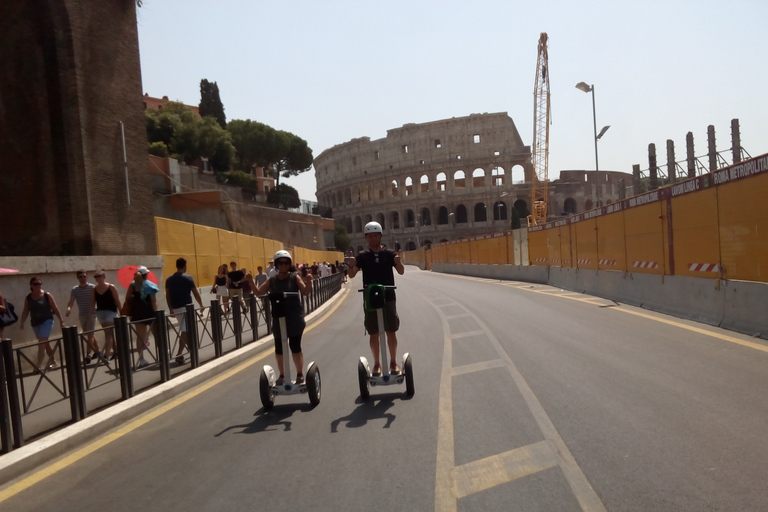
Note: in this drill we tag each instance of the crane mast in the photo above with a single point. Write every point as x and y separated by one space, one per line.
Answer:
540 152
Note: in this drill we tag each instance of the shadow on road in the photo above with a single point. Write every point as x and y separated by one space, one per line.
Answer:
375 407
270 419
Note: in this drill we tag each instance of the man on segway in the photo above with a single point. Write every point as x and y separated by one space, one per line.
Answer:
377 263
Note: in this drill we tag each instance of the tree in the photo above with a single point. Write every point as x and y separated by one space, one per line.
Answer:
210 102
295 160
188 137
284 196
340 237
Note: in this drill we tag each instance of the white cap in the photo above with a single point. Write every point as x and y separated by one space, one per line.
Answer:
142 270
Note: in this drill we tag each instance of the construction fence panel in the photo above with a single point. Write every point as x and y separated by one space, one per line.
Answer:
553 247
586 244
565 245
260 258
696 235
538 251
208 254
228 246
611 248
175 239
244 254
743 219
645 238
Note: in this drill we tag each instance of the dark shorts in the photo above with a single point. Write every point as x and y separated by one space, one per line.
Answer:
391 320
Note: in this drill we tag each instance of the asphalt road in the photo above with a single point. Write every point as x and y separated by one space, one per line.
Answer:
528 398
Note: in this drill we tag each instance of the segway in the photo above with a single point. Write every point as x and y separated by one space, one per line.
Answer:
374 299
268 388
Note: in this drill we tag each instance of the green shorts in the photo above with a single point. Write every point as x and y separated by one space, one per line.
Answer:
391 320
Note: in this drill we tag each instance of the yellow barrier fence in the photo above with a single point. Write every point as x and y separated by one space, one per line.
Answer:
714 226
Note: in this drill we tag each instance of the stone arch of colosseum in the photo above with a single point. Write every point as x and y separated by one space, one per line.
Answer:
437 181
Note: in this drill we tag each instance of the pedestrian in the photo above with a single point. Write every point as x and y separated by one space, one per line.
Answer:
234 277
261 276
3 310
179 289
106 301
140 305
41 307
315 270
82 295
220 286
286 281
271 270
377 263
246 289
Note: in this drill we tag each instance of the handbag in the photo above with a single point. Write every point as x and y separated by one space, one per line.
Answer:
9 317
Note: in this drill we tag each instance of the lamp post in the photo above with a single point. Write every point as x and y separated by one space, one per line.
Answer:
582 86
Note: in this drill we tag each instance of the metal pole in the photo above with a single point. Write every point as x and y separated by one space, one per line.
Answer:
216 330
161 341
597 165
125 164
123 341
6 432
13 393
192 345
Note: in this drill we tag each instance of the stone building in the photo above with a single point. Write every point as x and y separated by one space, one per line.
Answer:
73 143
438 181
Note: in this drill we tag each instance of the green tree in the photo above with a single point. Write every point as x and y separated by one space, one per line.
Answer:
284 196
188 137
341 238
296 159
210 102
515 219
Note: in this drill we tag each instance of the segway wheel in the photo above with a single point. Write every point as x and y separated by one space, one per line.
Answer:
313 384
362 377
265 390
408 369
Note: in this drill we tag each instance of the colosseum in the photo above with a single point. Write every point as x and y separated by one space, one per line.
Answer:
443 180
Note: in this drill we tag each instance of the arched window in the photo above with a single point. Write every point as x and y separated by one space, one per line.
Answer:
424 184
441 182
518 174
410 218
408 186
348 198
442 216
522 208
458 180
380 220
480 213
478 177
500 210
393 189
461 214
410 246
497 175
426 218
395 220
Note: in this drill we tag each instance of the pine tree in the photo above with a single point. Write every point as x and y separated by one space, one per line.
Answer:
210 102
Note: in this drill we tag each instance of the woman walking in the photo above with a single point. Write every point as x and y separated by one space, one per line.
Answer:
220 286
141 305
106 300
41 307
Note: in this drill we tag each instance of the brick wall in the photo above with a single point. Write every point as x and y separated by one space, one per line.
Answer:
63 94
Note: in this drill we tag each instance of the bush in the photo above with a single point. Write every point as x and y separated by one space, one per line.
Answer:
236 178
158 149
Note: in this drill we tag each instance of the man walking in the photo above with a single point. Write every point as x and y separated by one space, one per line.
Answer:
82 294
179 289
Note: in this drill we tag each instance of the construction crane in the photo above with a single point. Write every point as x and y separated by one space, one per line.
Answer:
540 151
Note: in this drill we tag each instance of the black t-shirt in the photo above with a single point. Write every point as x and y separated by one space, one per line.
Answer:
378 268
180 287
234 276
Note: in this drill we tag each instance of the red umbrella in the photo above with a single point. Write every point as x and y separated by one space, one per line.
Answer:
125 275
8 271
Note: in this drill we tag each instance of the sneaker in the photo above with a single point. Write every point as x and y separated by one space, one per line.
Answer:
393 368
87 359
280 381
299 379
180 359
376 369
143 363
113 357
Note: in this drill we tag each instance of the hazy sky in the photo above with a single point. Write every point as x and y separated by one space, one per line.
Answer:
331 71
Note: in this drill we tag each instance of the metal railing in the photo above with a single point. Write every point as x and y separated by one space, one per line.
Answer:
37 398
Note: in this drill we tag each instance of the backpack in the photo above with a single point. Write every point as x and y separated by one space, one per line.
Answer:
9 317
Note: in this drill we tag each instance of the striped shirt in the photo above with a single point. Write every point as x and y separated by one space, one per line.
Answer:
82 295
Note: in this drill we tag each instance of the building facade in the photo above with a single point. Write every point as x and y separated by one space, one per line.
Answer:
439 181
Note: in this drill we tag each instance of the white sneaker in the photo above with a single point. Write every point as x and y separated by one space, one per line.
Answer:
143 363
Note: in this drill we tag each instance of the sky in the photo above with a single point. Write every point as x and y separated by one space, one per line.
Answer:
330 71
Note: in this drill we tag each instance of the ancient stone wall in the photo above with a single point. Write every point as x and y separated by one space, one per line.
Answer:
70 76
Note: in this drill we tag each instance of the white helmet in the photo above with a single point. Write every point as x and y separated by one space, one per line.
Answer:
373 227
282 254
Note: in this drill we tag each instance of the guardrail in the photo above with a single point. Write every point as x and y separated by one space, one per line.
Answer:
36 399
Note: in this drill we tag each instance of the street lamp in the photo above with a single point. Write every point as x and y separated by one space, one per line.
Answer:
591 88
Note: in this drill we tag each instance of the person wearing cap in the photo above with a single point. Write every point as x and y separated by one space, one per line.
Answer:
140 304
287 281
377 263
271 270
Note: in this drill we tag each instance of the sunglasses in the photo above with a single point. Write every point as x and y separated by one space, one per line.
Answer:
82 275
283 262
97 276
37 284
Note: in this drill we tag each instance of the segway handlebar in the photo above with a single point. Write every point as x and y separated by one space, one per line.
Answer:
388 286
